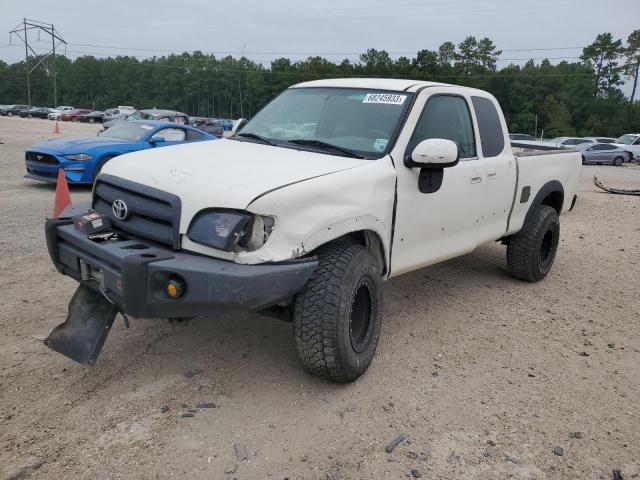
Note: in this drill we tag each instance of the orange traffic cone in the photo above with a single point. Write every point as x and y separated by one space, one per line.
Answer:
56 129
63 199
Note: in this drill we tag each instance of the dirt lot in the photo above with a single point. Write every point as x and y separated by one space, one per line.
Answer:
484 375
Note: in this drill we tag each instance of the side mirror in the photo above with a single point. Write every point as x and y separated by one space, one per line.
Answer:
157 140
239 125
434 153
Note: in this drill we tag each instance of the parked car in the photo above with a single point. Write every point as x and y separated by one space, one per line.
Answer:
521 136
209 125
92 117
601 139
631 143
82 158
35 112
603 153
14 110
397 175
568 142
56 112
118 113
152 114
72 115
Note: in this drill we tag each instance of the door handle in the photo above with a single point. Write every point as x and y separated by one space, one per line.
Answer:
476 179
491 174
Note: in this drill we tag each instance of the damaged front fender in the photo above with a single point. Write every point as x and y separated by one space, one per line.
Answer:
314 212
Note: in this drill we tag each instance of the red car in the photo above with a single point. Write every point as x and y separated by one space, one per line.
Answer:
71 116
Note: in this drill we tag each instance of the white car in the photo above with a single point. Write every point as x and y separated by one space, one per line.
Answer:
56 112
631 143
601 139
307 223
568 142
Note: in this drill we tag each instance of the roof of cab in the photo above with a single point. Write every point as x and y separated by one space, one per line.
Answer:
394 84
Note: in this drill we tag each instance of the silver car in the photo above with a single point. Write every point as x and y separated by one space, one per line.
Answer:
603 153
568 142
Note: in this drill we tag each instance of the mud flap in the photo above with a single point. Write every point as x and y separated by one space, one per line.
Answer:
88 323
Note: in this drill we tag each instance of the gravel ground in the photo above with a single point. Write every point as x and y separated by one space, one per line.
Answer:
483 375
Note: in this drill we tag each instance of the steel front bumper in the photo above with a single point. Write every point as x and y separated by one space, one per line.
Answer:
133 273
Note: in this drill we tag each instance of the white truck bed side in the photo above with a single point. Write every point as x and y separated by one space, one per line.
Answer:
535 168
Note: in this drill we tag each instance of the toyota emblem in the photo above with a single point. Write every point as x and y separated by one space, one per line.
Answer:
120 209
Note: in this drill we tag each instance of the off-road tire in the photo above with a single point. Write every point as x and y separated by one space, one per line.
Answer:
618 161
346 283
531 252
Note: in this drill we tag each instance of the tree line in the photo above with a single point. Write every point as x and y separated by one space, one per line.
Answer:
568 98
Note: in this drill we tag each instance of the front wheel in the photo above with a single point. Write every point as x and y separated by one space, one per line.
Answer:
618 161
338 314
531 252
99 167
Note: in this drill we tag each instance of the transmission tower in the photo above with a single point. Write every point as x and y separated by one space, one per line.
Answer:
22 32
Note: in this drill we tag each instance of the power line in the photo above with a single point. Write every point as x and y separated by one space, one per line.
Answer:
216 69
310 53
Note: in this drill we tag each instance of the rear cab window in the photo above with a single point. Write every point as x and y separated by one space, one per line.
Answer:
489 126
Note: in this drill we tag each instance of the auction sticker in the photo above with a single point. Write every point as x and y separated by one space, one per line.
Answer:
386 98
380 144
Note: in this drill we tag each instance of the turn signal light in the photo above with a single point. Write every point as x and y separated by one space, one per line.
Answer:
176 287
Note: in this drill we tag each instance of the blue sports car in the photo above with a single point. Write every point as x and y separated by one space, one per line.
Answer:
82 158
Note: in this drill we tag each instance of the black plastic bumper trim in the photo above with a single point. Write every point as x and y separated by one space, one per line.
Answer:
131 277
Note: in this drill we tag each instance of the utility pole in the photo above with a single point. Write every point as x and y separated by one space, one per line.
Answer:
21 31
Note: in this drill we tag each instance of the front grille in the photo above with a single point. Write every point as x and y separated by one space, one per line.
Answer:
152 213
40 158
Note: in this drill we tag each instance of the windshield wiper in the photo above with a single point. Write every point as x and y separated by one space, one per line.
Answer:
325 145
256 136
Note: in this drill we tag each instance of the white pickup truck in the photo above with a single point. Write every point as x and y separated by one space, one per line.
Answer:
334 187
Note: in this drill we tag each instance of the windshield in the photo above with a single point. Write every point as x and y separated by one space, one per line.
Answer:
128 131
362 121
626 139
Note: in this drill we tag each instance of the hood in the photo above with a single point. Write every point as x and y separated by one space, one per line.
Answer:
77 145
224 173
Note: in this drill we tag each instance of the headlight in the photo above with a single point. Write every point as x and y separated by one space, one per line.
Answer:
230 230
78 156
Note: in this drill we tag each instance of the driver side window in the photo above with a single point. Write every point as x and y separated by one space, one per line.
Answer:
448 117
170 134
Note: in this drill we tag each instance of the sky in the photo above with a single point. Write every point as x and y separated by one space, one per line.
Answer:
333 29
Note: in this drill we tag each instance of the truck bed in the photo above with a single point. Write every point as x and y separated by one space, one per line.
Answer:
536 164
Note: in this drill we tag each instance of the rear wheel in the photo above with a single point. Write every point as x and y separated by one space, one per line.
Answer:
531 252
338 314
618 161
